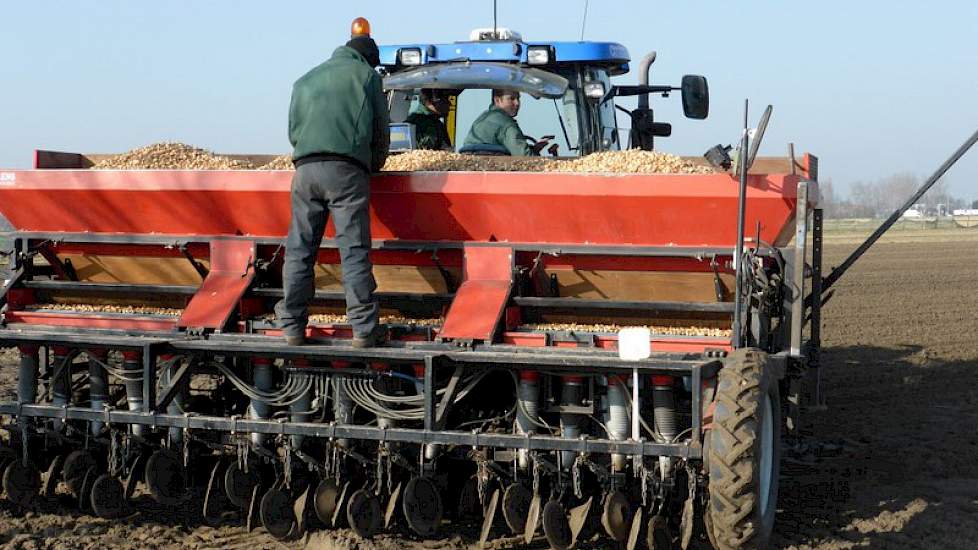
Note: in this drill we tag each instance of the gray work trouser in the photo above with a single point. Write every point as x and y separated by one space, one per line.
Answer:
318 190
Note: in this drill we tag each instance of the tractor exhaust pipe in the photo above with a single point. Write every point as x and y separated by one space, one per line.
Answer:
643 78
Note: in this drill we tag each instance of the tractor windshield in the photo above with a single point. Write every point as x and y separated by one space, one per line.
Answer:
553 104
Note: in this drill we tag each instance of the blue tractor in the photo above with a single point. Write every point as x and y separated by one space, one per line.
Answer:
575 76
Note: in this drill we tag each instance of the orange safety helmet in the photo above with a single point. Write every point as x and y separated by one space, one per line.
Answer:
360 27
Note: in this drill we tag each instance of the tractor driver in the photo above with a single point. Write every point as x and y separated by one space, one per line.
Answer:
498 126
427 117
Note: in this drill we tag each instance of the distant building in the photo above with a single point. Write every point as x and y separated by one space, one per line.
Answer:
916 212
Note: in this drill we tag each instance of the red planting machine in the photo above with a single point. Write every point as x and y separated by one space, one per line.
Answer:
568 351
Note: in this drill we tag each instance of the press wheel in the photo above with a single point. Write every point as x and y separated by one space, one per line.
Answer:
277 514
516 507
165 477
108 497
422 506
21 482
364 514
556 527
238 485
616 517
76 465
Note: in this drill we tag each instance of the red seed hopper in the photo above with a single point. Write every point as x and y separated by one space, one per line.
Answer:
591 243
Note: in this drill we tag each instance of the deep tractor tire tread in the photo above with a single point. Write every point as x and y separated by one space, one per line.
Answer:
734 447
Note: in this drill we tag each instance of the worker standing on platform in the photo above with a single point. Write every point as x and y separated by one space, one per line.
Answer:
339 129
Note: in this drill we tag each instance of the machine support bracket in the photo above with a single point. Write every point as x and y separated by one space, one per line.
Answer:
198 267
429 393
173 388
451 285
816 303
442 413
64 270
718 287
798 275
149 374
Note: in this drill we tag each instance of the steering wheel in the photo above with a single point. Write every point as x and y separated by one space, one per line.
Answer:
538 145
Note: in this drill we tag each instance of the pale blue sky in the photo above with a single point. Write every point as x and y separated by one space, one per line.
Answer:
872 88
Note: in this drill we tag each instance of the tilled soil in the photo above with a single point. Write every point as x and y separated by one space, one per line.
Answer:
891 461
899 449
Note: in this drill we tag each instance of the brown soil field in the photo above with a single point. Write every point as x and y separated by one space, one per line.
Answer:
890 462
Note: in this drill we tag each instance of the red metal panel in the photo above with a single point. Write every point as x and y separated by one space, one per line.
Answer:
230 276
444 258
479 302
89 321
627 263
476 310
17 298
199 251
488 264
555 208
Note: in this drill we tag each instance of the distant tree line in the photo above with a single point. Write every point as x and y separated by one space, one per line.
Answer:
880 198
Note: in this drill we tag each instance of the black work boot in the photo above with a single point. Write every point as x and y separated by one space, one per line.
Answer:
377 337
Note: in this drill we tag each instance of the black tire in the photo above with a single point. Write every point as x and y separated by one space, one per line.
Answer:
740 517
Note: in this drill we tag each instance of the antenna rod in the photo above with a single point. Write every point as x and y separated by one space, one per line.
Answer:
494 33
584 21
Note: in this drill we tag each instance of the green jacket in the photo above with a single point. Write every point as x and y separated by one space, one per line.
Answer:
430 131
495 127
339 108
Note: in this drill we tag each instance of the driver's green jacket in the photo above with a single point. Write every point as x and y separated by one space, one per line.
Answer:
495 127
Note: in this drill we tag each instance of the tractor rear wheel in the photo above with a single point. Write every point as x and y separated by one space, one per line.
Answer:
744 451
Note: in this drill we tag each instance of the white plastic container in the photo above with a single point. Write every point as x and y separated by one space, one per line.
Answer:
634 343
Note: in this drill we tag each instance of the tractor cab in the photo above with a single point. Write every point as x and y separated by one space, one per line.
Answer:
566 89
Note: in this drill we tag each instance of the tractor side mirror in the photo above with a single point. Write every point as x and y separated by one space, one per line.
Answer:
696 96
